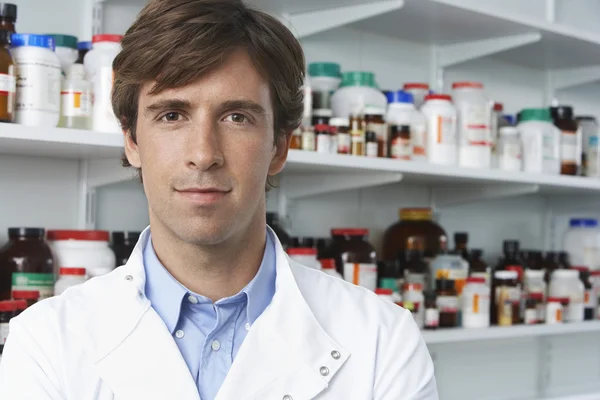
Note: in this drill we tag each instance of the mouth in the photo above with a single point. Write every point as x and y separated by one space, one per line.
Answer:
203 196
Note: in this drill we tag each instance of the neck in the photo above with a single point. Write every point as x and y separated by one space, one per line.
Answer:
214 271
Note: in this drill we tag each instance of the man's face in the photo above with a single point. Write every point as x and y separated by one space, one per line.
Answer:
206 150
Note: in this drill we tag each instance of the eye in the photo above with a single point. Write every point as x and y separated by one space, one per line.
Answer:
237 118
171 117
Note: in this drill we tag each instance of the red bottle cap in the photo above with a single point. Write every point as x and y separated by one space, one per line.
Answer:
25 294
384 291
302 251
71 271
327 263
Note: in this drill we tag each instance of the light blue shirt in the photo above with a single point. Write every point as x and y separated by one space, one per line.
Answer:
208 334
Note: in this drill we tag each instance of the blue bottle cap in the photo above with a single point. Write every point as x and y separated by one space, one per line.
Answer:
29 39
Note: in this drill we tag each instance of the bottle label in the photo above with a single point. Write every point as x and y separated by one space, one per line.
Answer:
38 86
3 332
475 127
401 148
531 316
476 303
510 159
418 136
364 275
29 281
447 304
432 318
569 149
554 314
323 143
442 130
372 149
308 140
343 143
8 85
75 104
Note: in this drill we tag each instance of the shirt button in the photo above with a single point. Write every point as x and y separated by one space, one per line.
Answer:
215 345
287 397
247 326
324 371
179 334
128 278
192 299
335 354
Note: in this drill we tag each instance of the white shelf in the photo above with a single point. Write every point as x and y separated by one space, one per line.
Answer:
58 142
456 335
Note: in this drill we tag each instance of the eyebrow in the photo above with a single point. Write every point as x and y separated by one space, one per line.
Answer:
166 104
247 105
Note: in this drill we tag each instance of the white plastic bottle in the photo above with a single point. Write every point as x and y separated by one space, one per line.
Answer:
541 141
402 111
38 80
98 67
69 277
440 114
474 124
510 149
357 91
582 242
76 100
565 283
66 50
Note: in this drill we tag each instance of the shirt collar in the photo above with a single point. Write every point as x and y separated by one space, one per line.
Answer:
166 293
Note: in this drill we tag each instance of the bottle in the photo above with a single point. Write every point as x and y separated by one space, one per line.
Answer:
323 138
328 266
357 135
477 267
509 150
342 135
296 142
82 49
532 305
570 140
551 263
8 83
400 144
505 299
69 277
8 17
447 303
375 123
460 244
372 144
440 116
511 255
122 245
308 138
590 302
498 122
475 301
432 314
76 100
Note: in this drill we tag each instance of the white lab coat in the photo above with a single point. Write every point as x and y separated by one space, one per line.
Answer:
320 338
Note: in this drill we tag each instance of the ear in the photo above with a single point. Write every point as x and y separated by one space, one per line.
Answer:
282 146
131 150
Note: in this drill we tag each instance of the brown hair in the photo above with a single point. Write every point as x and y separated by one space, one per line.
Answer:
174 42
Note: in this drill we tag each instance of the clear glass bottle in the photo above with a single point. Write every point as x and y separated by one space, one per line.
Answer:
510 149
76 100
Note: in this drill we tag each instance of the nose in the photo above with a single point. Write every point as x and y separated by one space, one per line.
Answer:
203 150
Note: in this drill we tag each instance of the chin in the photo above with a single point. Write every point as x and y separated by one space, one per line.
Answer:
204 231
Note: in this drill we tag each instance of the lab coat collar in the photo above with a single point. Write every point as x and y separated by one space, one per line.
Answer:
286 349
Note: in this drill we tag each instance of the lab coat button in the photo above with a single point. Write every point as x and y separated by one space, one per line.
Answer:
192 299
216 345
287 397
128 277
324 371
335 354
179 334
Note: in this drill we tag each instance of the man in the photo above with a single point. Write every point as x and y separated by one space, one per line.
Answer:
209 306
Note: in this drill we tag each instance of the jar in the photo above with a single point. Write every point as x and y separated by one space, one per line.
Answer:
498 122
83 249
595 281
340 129
8 17
38 74
26 263
418 91
306 256
29 296
122 245
474 131
475 303
590 302
505 302
323 138
541 141
402 112
590 161
400 142
510 150
7 312
355 257
375 123
432 314
554 311
357 91
8 83
413 300
357 135
280 232
447 303
66 50
68 277
570 140
324 78
441 117
565 283
477 267
82 50
98 66
75 100
328 266
533 304
582 242
414 224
